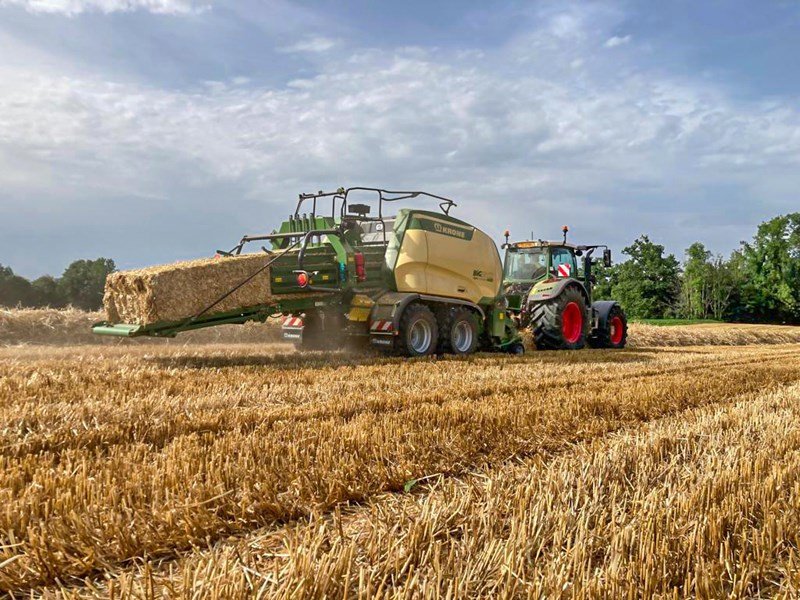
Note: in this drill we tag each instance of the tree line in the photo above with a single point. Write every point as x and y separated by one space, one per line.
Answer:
81 285
758 282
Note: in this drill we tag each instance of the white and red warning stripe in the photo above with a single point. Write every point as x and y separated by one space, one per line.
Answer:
564 270
293 322
381 326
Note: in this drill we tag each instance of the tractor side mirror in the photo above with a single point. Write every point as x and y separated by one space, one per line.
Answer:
607 257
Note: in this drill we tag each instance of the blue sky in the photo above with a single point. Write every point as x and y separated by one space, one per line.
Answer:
156 130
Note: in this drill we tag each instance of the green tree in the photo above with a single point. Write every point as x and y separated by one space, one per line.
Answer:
725 281
772 267
605 278
14 290
696 282
648 283
737 306
83 281
47 292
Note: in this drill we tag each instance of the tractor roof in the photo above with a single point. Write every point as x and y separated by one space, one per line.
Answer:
542 244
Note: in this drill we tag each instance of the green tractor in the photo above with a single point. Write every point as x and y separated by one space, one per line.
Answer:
550 294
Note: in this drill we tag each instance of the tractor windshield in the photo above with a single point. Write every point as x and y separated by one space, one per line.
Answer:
528 264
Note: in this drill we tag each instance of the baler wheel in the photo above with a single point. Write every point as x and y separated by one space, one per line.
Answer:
458 331
418 331
321 332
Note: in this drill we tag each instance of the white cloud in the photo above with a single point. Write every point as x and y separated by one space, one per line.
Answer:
76 7
616 40
383 116
315 44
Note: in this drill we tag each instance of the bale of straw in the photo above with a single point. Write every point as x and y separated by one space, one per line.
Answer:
168 293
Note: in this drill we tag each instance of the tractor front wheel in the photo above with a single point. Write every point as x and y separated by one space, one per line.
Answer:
561 323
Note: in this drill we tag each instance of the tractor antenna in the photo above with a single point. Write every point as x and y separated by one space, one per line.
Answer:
565 231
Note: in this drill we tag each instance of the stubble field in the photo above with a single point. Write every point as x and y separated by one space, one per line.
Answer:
247 469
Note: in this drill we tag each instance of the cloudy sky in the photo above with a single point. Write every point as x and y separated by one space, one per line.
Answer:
155 130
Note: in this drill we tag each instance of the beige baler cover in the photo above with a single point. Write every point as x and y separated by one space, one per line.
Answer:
441 257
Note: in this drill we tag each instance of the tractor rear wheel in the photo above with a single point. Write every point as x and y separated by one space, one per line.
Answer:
458 331
561 323
614 334
418 331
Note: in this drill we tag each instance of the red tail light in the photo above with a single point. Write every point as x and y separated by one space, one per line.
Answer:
361 271
302 279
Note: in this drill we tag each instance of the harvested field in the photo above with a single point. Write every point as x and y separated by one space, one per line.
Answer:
155 470
711 334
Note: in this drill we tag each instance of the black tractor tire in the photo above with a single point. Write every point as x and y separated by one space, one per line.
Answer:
614 334
458 331
419 332
549 325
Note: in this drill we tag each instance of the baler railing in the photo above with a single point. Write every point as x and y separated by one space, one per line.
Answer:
445 204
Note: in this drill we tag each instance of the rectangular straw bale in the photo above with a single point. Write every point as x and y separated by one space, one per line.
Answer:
174 292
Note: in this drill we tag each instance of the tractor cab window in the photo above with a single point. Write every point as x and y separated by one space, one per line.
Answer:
563 263
526 264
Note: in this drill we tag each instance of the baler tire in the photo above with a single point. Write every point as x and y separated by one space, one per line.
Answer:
449 323
316 337
604 337
412 316
547 320
313 337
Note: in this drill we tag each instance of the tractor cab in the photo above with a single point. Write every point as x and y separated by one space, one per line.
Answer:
529 262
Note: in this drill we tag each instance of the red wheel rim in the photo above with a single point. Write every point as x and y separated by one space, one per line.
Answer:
617 330
572 323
